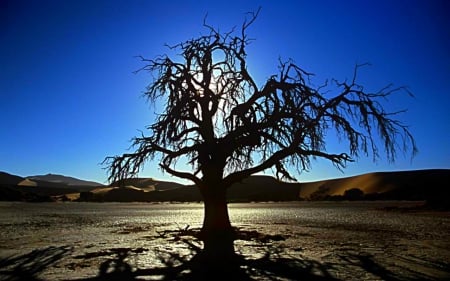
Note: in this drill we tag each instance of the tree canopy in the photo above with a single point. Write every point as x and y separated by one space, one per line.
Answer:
228 126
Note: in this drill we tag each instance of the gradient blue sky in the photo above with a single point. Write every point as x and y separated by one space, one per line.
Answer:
69 98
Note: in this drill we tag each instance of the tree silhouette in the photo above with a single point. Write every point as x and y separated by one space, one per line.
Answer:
227 127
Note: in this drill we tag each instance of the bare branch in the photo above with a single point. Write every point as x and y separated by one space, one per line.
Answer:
182 175
227 127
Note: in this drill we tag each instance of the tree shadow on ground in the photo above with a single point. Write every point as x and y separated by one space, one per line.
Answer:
412 268
273 263
30 265
176 266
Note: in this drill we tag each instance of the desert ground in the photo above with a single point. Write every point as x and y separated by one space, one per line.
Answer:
278 241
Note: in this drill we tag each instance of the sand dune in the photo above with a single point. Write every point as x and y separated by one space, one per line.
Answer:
64 180
399 185
148 184
368 183
27 182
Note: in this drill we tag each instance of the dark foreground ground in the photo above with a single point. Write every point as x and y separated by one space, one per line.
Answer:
278 241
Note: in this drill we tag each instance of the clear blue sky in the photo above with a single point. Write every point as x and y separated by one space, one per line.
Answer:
68 97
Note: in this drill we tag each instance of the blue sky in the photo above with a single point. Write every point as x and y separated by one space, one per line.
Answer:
69 97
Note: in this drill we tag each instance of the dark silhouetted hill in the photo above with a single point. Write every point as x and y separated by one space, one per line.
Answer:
263 188
419 185
8 179
36 188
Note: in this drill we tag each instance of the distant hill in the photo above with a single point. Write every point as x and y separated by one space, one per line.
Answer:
255 188
430 185
8 179
263 188
148 184
63 180
407 184
41 188
143 190
422 185
134 194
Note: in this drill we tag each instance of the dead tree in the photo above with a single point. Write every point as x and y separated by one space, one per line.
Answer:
228 127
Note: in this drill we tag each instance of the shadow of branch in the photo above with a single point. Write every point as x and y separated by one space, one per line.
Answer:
196 265
29 266
273 262
411 268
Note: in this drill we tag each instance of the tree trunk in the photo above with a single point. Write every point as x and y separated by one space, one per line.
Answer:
217 234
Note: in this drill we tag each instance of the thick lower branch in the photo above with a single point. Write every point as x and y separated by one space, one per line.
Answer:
271 161
182 175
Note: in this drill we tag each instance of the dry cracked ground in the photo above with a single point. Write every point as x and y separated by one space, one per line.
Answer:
375 244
